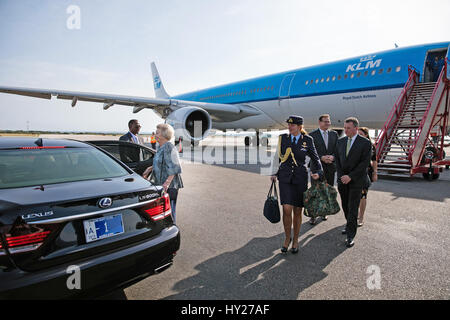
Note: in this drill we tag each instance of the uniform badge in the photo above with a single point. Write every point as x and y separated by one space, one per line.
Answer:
304 146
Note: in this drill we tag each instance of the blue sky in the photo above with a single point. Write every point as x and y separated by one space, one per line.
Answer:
195 44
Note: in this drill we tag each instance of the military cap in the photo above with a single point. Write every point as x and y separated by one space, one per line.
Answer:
295 120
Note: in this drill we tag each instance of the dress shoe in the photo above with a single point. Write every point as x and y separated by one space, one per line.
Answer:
294 250
312 221
349 242
324 218
285 249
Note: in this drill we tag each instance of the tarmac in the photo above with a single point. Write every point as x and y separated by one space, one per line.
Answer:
229 251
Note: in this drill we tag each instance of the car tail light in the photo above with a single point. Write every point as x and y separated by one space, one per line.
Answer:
160 208
26 240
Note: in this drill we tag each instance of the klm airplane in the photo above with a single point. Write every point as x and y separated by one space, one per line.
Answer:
365 86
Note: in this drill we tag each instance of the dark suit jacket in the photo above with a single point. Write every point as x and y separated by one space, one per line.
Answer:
322 150
127 137
357 162
288 172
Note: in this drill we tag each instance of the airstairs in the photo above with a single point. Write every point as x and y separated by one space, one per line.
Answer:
412 139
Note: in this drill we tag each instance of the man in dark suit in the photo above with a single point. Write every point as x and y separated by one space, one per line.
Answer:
325 141
352 160
131 154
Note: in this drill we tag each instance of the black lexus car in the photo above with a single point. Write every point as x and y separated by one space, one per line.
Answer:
76 222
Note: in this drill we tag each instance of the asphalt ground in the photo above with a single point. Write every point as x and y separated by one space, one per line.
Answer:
230 251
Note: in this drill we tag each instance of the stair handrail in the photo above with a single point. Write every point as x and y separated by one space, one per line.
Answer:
396 110
442 77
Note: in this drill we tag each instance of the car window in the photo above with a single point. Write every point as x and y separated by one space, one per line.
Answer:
146 154
127 153
31 167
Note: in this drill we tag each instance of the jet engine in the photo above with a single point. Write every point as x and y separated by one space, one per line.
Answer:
190 123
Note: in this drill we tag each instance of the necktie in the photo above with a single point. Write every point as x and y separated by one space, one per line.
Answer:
349 144
325 138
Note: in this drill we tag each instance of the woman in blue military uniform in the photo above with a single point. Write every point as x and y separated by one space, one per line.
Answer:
292 173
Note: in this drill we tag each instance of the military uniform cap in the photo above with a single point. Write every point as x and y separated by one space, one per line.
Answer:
295 120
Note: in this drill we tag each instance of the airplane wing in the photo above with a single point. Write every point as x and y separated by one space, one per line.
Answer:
220 112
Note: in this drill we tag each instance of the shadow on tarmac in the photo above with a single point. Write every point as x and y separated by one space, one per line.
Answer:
416 188
258 270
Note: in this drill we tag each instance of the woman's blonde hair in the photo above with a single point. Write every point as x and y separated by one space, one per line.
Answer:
303 131
365 130
166 130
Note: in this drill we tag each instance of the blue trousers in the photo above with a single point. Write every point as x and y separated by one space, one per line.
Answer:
173 204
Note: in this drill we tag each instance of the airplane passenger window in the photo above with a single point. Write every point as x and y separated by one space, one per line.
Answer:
389 70
317 80
334 78
373 72
366 73
306 83
339 77
345 77
398 69
380 71
358 74
328 79
322 80
352 76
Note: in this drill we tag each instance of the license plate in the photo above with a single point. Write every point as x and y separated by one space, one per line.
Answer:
104 227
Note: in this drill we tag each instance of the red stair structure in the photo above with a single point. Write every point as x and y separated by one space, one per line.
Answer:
412 139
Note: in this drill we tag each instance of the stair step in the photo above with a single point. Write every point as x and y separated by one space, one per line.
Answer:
394 165
405 126
396 159
393 175
393 169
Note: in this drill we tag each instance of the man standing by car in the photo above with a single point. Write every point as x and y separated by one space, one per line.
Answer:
132 135
325 141
131 154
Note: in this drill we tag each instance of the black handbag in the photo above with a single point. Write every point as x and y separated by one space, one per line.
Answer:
271 208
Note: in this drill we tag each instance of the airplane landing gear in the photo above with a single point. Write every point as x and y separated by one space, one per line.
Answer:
255 140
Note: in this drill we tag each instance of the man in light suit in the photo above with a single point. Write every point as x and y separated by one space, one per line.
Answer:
352 160
325 141
131 154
